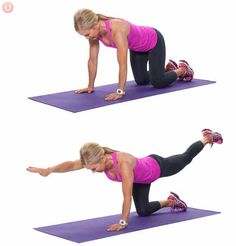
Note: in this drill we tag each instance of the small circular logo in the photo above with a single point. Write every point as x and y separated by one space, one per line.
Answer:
7 7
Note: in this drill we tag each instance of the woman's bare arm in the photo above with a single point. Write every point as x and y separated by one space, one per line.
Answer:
92 66
66 166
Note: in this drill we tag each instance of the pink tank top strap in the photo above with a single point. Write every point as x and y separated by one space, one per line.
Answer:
114 158
115 162
107 24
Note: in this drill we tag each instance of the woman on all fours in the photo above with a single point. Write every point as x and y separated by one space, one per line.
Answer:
145 44
135 174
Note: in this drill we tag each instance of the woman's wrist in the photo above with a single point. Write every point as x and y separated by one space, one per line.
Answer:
120 92
123 223
91 85
49 170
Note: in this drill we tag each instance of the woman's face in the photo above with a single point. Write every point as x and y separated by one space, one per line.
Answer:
90 33
97 167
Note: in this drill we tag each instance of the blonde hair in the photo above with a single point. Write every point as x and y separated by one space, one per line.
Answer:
91 153
86 18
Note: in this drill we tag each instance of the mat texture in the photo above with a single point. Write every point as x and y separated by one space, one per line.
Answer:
92 229
72 102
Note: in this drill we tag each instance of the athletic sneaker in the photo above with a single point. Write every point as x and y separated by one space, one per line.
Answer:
178 204
188 75
215 136
171 65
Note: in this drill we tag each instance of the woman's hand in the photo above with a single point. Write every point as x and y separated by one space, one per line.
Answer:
113 97
42 171
115 227
85 90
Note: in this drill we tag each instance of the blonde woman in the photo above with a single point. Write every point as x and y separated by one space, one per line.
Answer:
135 174
146 45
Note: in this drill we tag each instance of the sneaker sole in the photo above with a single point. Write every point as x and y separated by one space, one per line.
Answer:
183 63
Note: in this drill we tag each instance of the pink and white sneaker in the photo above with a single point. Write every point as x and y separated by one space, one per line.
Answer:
188 75
171 65
216 137
178 204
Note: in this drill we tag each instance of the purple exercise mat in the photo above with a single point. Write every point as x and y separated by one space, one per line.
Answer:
92 229
80 102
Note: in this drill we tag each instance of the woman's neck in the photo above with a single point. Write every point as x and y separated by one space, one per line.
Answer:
102 28
109 162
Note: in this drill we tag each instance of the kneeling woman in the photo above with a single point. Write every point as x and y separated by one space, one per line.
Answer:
135 174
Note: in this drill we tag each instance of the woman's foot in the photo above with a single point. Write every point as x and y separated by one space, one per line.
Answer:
177 203
171 65
188 71
212 137
183 70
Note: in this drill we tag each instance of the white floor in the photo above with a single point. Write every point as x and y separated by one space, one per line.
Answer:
35 134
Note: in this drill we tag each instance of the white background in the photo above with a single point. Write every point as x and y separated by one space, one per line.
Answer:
41 53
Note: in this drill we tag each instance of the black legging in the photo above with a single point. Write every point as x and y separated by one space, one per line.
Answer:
156 74
169 166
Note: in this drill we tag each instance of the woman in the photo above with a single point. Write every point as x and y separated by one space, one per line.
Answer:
144 43
136 174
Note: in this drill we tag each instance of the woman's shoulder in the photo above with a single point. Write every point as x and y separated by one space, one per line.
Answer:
119 23
124 157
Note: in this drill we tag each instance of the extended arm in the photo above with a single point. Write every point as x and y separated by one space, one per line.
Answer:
66 166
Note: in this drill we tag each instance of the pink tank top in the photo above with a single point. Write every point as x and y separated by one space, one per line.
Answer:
140 38
146 170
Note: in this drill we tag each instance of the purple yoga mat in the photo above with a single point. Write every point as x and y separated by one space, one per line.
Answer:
80 102
92 229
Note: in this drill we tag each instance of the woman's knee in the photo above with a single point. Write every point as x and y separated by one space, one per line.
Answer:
159 84
141 82
188 158
163 80
141 78
143 212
